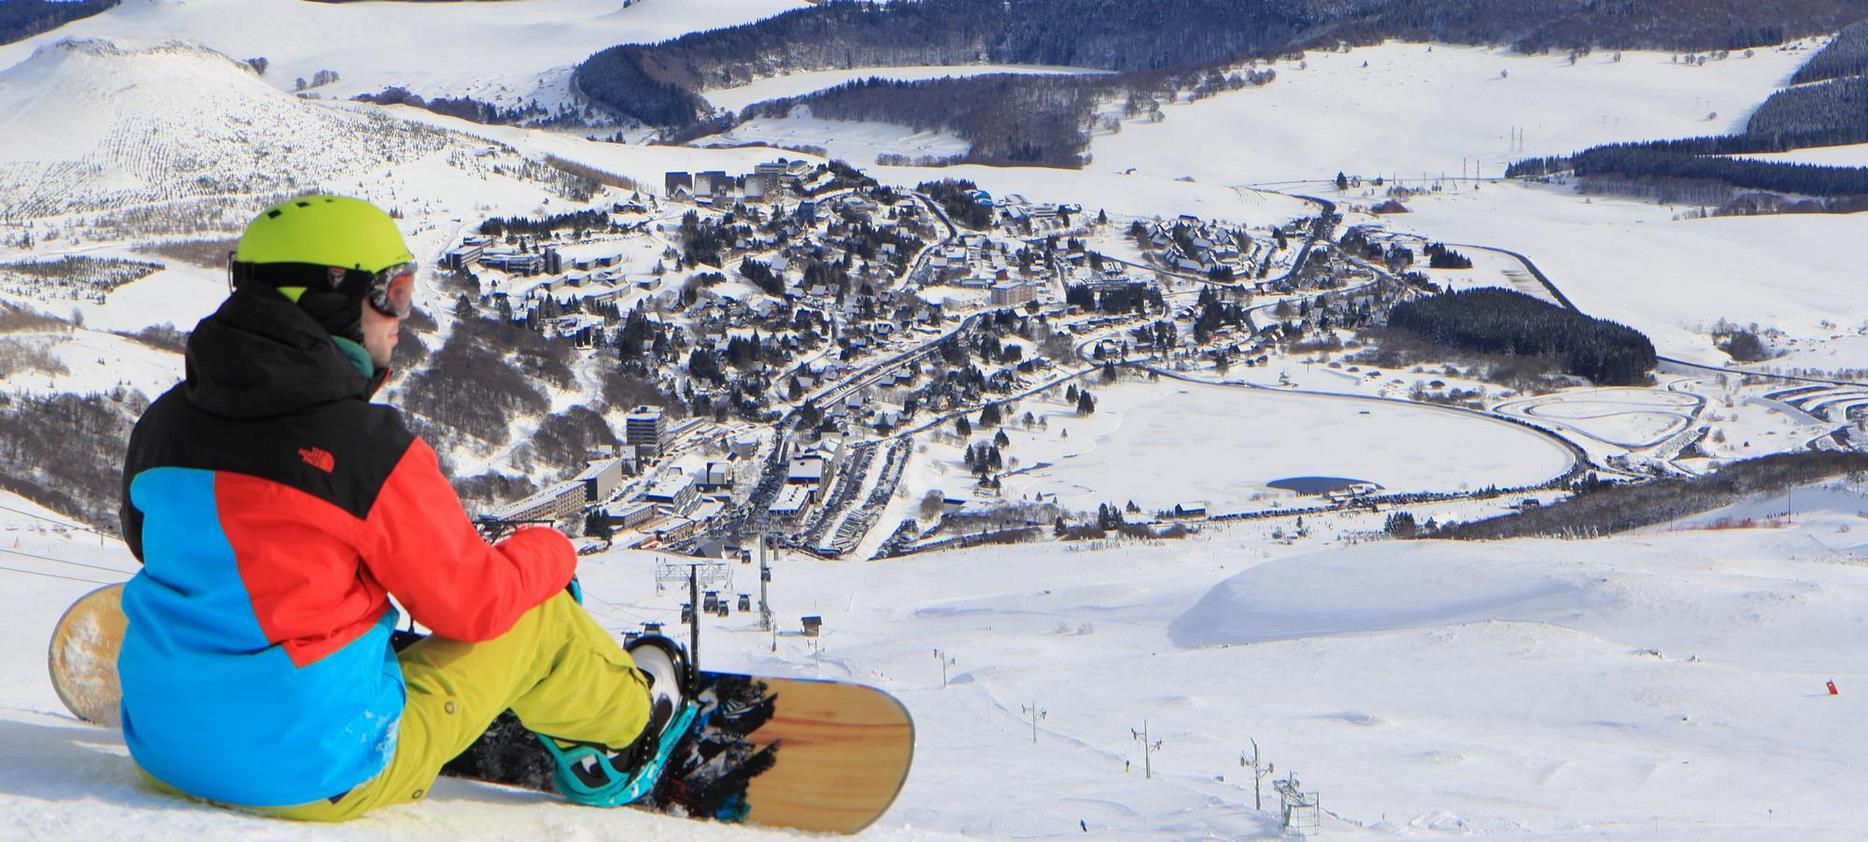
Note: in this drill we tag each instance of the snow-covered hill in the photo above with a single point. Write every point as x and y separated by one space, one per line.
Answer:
94 126
511 53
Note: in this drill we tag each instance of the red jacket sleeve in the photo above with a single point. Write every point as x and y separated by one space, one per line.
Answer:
419 544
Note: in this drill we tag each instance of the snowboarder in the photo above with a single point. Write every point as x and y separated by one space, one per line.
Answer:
275 510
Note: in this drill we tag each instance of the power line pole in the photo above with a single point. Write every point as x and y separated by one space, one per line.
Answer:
694 626
1032 710
1258 775
1149 747
765 579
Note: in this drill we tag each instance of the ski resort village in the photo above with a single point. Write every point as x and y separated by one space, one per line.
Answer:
1202 420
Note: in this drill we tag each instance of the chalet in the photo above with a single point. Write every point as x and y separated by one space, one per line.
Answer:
1191 509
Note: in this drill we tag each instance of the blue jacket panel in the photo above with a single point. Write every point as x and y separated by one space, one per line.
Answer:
209 705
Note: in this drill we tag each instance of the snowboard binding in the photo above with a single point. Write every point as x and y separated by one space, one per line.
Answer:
594 775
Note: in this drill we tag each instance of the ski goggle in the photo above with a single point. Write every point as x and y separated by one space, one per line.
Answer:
392 291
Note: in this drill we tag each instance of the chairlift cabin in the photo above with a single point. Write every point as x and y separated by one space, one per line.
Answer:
711 604
813 624
687 612
745 602
651 627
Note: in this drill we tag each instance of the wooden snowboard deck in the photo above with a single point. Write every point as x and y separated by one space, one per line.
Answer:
843 755
83 655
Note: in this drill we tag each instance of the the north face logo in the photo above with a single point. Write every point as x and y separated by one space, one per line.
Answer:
319 458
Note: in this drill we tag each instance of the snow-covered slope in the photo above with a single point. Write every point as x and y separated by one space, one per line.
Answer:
91 125
1408 110
1668 685
511 52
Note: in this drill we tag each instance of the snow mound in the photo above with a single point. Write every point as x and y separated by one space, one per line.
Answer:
1379 587
98 124
1666 596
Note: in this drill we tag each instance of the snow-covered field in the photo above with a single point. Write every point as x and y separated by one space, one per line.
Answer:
1672 279
1851 155
1421 110
1665 687
854 141
1222 446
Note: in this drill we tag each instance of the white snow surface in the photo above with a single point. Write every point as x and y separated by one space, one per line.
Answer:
1222 445
1668 685
1419 109
510 52
1848 155
1672 279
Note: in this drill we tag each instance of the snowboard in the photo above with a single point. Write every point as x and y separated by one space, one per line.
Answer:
803 754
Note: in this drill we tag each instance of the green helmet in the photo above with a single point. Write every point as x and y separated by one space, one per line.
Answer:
324 231
329 254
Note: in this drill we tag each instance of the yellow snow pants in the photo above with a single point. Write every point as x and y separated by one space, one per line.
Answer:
556 668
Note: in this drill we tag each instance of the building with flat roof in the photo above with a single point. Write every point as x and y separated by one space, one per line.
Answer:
555 502
673 490
646 428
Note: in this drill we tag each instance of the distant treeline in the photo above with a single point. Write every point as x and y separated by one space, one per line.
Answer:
1847 55
1619 508
466 108
1154 46
1700 159
22 19
657 84
1498 321
584 220
1006 118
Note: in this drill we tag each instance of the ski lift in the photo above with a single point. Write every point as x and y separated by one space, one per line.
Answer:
687 612
651 627
630 637
812 625
711 604
723 608
745 602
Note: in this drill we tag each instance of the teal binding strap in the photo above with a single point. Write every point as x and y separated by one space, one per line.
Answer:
620 788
